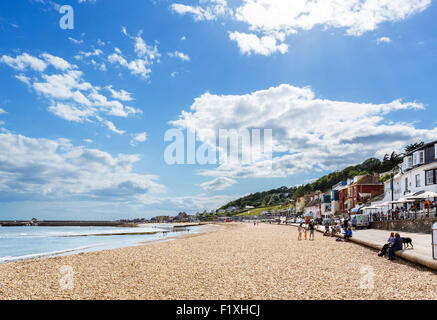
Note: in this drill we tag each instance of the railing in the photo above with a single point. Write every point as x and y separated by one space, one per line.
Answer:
410 215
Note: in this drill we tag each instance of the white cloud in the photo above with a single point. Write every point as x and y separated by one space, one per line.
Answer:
383 40
213 10
308 133
146 55
250 43
217 184
24 79
75 41
279 18
120 95
71 112
180 55
112 127
23 62
32 168
138 138
2 111
57 62
70 96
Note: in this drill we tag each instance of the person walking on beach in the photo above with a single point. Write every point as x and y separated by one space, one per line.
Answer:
299 230
311 227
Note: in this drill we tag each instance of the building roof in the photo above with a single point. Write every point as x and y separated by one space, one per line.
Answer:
429 144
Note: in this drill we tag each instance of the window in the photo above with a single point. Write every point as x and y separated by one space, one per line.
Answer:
409 162
418 181
430 177
421 157
406 184
418 158
435 151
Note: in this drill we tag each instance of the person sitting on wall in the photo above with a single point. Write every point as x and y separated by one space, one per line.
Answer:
390 241
348 234
396 246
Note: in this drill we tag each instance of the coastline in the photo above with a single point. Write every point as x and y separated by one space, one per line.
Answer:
239 261
175 232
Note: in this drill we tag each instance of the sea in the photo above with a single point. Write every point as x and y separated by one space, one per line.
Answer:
21 243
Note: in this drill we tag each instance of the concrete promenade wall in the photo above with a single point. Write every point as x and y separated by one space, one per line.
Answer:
416 226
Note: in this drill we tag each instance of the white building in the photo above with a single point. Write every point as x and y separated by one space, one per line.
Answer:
418 173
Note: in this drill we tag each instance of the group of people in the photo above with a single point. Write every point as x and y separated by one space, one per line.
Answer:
311 228
403 214
394 243
304 229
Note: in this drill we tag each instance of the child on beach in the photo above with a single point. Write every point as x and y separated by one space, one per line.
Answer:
299 229
305 230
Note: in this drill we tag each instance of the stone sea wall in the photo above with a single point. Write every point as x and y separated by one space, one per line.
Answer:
421 226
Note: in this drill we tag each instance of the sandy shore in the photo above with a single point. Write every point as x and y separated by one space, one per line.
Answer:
237 262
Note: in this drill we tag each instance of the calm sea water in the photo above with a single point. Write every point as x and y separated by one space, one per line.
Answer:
17 243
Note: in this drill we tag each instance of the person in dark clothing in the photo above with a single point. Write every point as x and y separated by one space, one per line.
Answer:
345 224
347 234
311 227
390 241
396 246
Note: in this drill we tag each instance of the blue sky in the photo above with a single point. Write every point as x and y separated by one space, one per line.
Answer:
83 112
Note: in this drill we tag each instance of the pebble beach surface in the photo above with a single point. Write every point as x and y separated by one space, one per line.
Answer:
238 261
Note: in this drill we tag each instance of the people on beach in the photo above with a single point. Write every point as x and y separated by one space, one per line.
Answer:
345 224
396 246
311 228
390 241
348 234
305 231
299 229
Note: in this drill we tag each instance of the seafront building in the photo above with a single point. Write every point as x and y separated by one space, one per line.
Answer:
416 175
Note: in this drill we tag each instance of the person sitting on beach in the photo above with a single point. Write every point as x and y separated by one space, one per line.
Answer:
396 246
390 241
299 230
347 234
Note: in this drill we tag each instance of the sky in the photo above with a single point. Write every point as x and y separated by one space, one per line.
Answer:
85 103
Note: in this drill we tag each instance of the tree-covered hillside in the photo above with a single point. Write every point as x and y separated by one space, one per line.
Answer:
282 195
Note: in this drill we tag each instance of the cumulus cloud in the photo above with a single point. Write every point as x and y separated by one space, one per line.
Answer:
23 62
217 184
251 43
279 18
138 138
308 133
69 96
32 168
